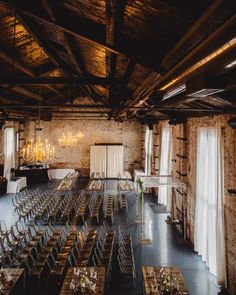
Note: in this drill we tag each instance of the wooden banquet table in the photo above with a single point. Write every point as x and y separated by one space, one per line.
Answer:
17 282
100 284
148 280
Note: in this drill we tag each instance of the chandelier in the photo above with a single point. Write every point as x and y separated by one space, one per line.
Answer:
38 151
67 140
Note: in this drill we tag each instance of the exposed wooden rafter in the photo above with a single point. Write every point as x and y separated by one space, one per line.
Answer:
127 60
60 80
18 64
34 31
95 33
205 46
110 40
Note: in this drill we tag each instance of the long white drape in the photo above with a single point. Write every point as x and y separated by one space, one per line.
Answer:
9 151
115 160
164 192
148 150
209 217
108 159
98 158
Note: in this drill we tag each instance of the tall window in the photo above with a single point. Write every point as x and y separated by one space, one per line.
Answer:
209 215
164 192
148 150
9 151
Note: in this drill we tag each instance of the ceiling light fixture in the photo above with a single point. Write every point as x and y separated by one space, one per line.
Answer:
69 140
174 91
202 62
231 64
38 151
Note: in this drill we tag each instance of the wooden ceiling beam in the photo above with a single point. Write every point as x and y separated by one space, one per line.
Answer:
20 65
13 100
71 94
34 30
120 99
4 99
71 48
48 9
24 113
216 98
111 57
17 63
106 108
205 24
78 62
96 33
200 104
221 36
52 106
27 92
45 69
72 52
59 80
80 112
21 91
114 27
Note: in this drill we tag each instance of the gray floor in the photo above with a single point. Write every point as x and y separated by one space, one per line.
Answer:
166 248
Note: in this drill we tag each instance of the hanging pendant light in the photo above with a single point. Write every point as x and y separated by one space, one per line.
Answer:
38 150
67 140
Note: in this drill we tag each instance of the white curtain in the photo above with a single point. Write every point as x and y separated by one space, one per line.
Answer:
98 158
115 160
9 151
209 216
148 150
165 192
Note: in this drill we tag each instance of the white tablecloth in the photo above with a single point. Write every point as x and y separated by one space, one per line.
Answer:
15 186
137 173
58 173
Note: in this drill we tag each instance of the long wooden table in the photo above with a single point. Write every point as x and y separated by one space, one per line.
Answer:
100 285
148 280
17 284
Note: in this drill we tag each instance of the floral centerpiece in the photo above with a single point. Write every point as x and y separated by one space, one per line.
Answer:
5 278
164 283
83 282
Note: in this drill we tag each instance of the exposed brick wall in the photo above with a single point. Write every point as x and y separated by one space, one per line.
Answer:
188 166
95 131
1 147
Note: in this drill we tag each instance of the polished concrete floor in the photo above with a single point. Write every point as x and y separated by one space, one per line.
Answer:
166 248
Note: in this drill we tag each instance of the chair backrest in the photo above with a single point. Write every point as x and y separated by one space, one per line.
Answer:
121 265
3 227
50 262
94 260
72 260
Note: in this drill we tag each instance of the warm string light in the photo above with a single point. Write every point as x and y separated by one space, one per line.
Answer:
38 151
67 140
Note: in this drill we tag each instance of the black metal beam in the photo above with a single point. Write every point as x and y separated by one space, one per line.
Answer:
145 54
52 106
60 80
102 107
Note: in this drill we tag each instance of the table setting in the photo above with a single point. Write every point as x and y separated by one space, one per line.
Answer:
163 281
83 282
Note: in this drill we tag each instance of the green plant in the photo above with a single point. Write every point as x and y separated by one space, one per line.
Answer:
140 184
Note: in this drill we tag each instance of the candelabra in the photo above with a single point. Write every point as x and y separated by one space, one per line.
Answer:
38 151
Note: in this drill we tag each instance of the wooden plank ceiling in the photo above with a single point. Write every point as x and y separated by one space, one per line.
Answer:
122 59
